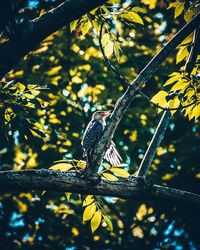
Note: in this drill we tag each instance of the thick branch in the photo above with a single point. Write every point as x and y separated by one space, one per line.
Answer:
44 179
30 34
154 144
123 103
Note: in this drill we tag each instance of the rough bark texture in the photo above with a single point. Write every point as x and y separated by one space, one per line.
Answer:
30 34
53 180
123 102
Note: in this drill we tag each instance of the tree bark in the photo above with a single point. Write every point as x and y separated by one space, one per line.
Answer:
52 180
122 104
30 34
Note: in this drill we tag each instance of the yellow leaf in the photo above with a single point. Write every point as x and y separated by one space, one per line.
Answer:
54 70
105 39
89 212
179 9
35 92
136 17
109 49
81 164
29 96
96 220
188 39
43 192
96 25
196 111
88 200
173 79
73 25
110 177
85 28
183 52
159 96
120 171
61 166
180 85
174 104
108 221
21 87
173 5
68 195
188 110
188 15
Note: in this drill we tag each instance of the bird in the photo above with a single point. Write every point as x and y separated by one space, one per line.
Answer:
92 134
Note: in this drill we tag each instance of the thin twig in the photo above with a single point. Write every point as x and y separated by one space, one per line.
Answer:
154 144
119 76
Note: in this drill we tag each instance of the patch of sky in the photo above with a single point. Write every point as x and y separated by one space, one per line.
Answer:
151 130
70 248
65 92
171 126
16 220
16 137
169 228
194 129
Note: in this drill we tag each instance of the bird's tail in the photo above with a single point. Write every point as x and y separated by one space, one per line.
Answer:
112 155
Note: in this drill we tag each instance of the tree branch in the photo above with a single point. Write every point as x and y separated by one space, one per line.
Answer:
154 144
52 180
30 34
123 102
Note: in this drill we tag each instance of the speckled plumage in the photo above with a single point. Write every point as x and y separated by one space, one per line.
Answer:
92 134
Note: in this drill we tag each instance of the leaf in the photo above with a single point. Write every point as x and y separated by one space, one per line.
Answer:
136 17
173 5
96 25
187 40
38 132
183 52
180 85
105 39
81 164
173 79
109 222
159 96
189 13
196 111
21 87
29 96
174 103
179 9
89 212
116 51
96 220
85 28
120 171
110 177
73 25
43 192
109 48
88 200
35 92
61 166
68 195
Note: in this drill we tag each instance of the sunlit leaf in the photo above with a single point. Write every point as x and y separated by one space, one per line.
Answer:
68 195
61 166
120 171
180 85
136 17
160 95
85 28
96 220
182 53
88 200
174 78
179 9
110 177
109 48
73 25
105 39
109 222
89 212
174 103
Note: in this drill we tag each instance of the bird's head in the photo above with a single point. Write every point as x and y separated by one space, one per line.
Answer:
101 115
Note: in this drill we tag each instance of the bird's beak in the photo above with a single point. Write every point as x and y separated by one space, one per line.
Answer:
107 113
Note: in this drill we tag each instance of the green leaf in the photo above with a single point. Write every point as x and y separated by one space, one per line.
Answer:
109 222
120 171
89 212
96 220
61 166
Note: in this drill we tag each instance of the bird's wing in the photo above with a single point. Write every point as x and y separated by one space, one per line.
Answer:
92 134
112 155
